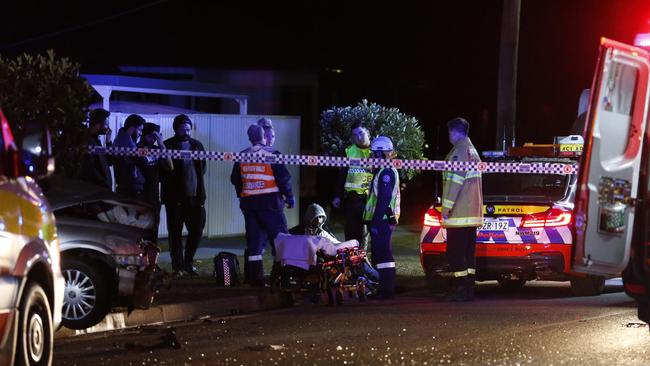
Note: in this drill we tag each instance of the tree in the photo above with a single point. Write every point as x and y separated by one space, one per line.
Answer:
407 135
48 89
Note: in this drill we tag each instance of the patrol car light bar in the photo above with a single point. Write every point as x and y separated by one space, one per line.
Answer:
550 218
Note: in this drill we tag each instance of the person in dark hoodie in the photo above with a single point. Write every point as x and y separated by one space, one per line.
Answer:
128 174
263 191
152 140
183 194
95 168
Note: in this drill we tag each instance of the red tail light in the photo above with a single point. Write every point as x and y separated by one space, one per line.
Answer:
433 218
550 218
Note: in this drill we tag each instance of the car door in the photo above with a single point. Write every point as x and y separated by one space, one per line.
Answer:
608 181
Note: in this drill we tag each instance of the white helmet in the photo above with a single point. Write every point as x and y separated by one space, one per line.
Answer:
381 143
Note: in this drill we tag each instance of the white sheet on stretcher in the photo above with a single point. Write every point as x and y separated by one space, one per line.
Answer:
300 250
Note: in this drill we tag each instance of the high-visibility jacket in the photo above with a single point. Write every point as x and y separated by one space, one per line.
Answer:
257 178
358 178
462 192
394 203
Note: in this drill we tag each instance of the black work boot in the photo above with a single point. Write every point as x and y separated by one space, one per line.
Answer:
459 291
470 286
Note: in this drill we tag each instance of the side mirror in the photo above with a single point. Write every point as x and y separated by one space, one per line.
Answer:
36 150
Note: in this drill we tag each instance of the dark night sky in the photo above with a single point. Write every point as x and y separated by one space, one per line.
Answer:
432 59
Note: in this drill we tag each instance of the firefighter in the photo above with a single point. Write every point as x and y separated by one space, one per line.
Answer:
263 191
381 215
462 212
353 186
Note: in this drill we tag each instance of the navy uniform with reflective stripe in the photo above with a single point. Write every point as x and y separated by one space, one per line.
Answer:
263 210
382 213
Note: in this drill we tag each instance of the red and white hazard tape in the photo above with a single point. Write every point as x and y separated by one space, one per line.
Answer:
338 161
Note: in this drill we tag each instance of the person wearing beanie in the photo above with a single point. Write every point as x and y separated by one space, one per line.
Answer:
183 194
152 140
263 191
128 169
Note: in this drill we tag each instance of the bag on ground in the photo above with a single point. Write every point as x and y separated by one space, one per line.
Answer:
226 269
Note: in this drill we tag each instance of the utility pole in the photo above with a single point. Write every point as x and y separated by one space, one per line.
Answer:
507 88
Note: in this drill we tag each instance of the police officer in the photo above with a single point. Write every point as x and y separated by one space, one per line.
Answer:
462 212
381 214
263 191
353 187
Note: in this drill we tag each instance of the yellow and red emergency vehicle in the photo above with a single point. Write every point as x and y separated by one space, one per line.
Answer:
527 229
31 284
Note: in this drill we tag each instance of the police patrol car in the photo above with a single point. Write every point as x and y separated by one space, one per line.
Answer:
527 229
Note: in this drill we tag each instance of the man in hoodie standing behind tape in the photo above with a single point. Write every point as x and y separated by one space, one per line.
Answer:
183 194
263 191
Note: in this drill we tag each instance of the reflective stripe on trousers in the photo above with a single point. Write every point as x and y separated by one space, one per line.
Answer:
385 265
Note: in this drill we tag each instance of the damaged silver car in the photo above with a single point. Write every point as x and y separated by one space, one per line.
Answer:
108 251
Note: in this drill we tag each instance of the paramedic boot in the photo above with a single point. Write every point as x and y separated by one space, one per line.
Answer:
247 275
386 283
256 273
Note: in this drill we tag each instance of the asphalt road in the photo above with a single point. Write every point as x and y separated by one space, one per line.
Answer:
542 324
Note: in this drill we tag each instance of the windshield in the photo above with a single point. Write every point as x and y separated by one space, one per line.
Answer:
536 187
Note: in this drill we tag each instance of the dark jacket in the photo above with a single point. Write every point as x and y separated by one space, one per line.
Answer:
128 174
171 182
272 201
95 167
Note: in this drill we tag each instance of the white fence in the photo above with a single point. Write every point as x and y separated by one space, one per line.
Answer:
220 132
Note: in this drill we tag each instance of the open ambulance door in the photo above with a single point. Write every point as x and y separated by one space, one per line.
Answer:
608 189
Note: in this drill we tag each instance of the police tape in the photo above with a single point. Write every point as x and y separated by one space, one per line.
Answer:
338 161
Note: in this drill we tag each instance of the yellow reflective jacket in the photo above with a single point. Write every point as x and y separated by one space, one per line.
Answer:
462 192
358 178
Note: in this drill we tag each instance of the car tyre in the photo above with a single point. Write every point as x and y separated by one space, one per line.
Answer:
35 333
86 301
587 286
510 284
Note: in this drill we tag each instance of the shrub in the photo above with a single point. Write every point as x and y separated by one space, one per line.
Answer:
407 135
48 89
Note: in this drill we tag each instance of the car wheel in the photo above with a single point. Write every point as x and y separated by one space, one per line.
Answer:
437 284
35 332
86 299
511 285
587 286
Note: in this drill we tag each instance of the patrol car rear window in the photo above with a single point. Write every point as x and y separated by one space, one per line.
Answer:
547 187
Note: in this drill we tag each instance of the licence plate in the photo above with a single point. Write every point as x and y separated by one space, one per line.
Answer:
494 225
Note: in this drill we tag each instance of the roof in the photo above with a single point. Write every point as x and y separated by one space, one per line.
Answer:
121 106
106 84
